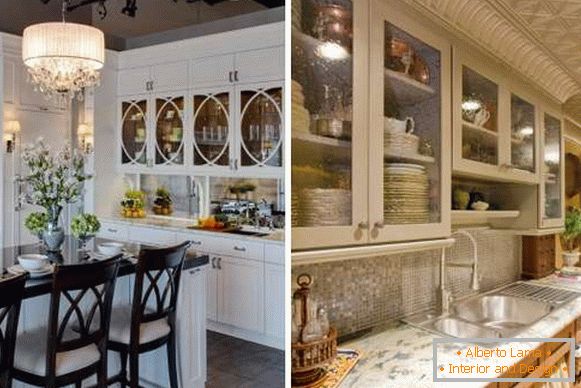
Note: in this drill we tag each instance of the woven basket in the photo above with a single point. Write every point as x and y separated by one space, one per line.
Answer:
306 357
400 143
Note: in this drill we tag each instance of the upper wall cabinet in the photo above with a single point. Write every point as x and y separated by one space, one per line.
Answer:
494 125
164 77
552 189
217 115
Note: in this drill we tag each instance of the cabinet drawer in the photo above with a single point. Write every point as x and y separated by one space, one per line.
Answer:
200 242
274 253
151 236
133 81
260 65
243 249
114 231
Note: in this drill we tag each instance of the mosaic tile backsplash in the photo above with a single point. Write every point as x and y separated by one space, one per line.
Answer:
363 293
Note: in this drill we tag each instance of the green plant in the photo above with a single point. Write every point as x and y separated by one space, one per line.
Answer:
162 197
133 199
83 225
571 237
36 222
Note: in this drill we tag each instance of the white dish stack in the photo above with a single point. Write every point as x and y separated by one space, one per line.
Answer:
406 194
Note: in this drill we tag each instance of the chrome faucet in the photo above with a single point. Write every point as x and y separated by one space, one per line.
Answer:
445 294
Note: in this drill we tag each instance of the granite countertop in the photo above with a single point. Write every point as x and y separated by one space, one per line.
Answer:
400 355
183 225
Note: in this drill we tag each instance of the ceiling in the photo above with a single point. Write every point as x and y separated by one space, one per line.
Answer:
152 17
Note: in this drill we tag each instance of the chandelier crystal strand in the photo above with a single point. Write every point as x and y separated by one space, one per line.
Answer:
63 59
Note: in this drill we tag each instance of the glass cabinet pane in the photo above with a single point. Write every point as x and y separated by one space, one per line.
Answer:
522 137
479 118
169 131
261 127
133 134
322 93
552 167
212 129
412 128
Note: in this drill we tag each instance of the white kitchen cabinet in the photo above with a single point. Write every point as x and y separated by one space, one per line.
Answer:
154 236
259 65
219 115
552 188
274 293
191 326
211 71
114 231
241 293
495 125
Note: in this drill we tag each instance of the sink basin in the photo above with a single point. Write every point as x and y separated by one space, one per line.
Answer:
245 232
458 328
505 313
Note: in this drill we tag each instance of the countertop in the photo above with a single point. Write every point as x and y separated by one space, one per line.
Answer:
71 255
181 225
400 355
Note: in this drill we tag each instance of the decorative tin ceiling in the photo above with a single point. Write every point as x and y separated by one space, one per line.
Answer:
539 38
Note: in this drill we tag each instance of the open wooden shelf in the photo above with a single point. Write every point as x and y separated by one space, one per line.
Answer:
406 90
406 157
475 217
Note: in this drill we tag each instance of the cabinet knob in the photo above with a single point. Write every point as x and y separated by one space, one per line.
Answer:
378 225
363 225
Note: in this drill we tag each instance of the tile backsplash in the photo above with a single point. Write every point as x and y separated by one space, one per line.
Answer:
363 293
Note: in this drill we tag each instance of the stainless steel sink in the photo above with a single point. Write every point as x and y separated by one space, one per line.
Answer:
501 313
504 313
462 329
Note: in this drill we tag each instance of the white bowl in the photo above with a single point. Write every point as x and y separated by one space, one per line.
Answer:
110 248
33 261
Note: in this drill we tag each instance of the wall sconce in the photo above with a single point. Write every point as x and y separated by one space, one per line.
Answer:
11 129
85 135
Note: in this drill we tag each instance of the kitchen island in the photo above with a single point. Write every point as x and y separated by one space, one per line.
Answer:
191 322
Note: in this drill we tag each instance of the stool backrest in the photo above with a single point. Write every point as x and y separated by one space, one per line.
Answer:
80 307
11 293
157 281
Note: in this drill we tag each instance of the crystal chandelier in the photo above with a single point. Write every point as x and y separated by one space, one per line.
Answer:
63 58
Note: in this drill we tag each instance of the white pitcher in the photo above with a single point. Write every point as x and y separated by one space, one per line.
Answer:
393 125
481 117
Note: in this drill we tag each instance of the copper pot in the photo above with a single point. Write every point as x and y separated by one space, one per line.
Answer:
398 53
333 23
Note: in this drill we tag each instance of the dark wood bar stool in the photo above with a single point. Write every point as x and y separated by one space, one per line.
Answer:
74 345
11 292
149 322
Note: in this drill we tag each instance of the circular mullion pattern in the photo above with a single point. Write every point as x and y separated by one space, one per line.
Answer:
242 142
225 146
167 102
143 148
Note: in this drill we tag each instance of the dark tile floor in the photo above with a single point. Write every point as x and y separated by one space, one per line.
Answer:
234 363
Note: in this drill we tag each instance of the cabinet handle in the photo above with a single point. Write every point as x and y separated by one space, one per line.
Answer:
235 164
219 265
196 242
363 225
236 76
230 76
213 262
239 249
111 230
378 225
194 271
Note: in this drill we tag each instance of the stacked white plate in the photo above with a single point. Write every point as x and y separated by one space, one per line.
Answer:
42 272
406 194
325 207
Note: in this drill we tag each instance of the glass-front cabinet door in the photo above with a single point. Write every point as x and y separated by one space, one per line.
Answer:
212 130
409 130
522 135
329 123
552 189
169 131
261 127
134 132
